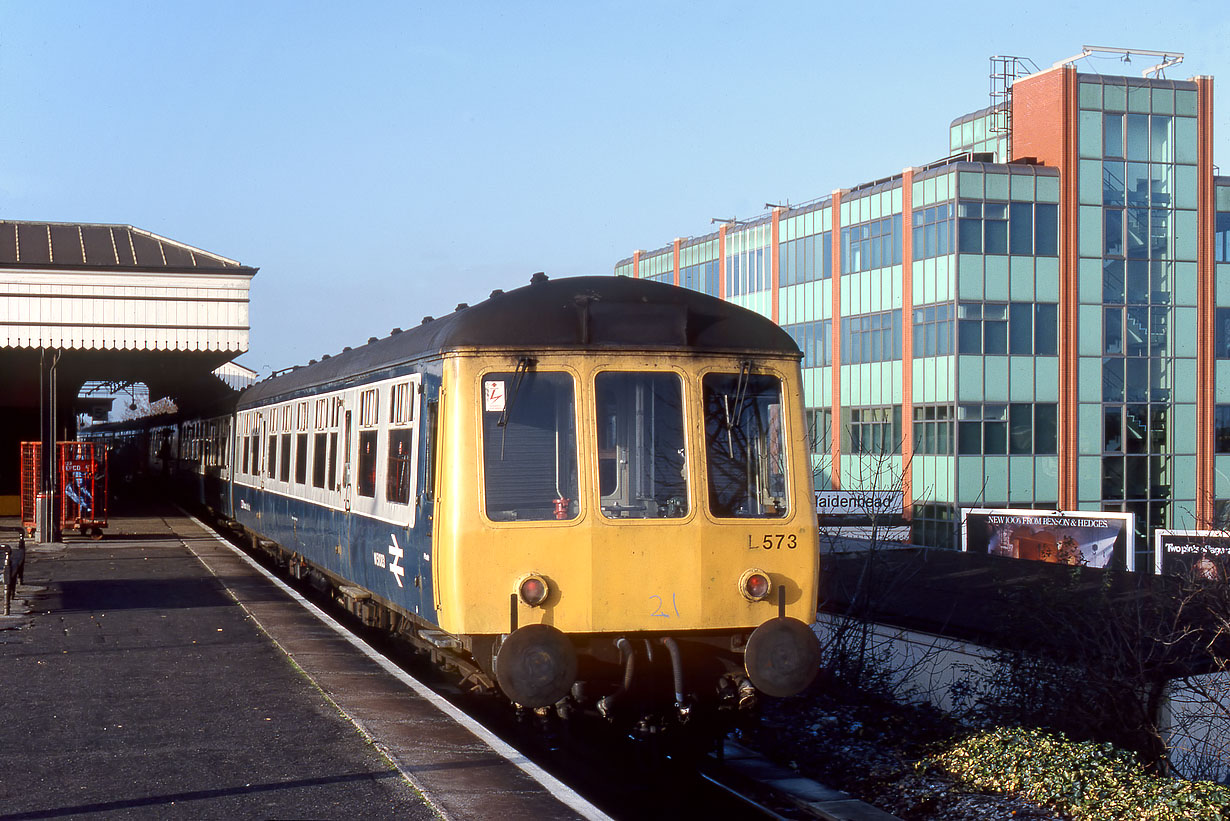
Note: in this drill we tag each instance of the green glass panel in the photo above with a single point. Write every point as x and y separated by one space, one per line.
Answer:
1185 102
1048 189
1090 95
997 186
1138 99
1090 182
1022 187
1091 134
1114 98
1163 101
971 185
1185 144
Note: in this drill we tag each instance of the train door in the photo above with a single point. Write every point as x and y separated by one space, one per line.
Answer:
261 444
346 463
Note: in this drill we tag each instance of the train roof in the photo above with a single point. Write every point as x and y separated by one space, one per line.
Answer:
590 313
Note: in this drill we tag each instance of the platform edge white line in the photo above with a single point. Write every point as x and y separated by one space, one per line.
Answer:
561 791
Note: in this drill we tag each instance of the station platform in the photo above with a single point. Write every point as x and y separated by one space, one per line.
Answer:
158 673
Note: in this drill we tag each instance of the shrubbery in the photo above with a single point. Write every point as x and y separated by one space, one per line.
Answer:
1082 780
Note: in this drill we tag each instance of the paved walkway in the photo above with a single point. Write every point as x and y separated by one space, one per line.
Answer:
137 687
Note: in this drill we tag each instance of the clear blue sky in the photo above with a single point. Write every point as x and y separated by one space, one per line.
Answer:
382 161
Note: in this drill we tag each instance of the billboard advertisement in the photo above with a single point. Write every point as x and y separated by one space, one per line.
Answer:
861 504
1059 537
1194 554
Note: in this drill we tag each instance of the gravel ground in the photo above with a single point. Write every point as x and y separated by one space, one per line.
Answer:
869 747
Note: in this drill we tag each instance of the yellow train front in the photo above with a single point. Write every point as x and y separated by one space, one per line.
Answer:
623 499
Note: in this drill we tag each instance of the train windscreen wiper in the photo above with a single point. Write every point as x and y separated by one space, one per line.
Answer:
523 366
745 372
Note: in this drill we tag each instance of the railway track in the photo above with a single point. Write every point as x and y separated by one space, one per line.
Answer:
651 776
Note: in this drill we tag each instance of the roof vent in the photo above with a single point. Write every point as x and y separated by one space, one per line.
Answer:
323 358
538 278
427 319
497 292
395 332
371 339
461 306
345 349
311 361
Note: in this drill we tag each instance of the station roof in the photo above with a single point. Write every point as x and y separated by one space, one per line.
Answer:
88 245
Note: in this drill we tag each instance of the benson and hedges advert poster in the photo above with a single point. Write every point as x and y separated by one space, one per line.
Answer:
1087 539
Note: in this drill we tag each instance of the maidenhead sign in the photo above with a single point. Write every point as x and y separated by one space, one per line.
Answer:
860 504
1059 537
1200 555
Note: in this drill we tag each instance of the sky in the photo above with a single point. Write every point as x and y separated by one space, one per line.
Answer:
382 161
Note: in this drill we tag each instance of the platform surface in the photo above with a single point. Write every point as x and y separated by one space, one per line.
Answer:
157 675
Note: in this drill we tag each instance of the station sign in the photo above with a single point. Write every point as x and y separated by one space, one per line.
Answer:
1199 555
1059 537
861 504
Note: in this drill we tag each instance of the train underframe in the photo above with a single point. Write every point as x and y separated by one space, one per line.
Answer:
642 680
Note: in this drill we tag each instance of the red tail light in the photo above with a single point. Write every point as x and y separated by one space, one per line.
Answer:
755 585
533 590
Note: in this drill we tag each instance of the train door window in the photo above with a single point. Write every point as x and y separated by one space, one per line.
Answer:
332 469
746 463
246 446
271 464
430 415
318 459
346 452
367 463
256 448
301 458
642 470
284 465
529 445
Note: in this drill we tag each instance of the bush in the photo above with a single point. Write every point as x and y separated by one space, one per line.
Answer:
1082 780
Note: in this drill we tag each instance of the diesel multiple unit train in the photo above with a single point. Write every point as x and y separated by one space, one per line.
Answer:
574 491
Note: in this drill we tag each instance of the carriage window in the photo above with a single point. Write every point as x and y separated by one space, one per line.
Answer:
398 481
301 458
284 465
642 472
743 445
318 459
529 445
271 464
367 463
256 453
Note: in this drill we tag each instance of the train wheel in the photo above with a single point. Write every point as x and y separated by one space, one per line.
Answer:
536 666
783 656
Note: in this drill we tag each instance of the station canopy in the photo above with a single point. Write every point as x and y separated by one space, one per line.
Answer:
116 303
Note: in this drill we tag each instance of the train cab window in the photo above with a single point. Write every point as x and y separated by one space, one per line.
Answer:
529 445
367 463
746 463
642 472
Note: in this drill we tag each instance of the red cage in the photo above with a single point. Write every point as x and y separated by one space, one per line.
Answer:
83 487
30 481
81 491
